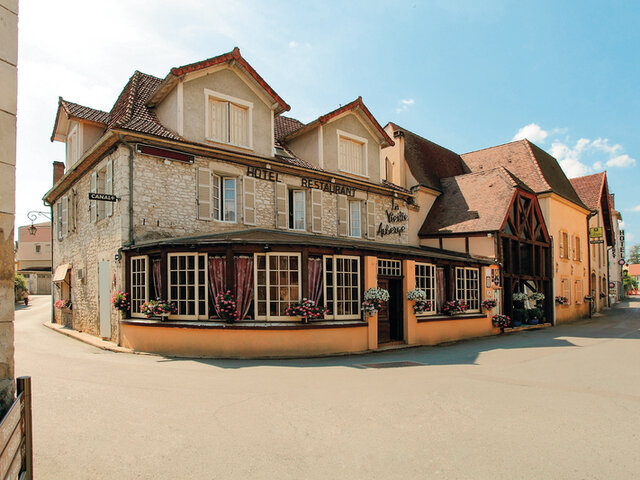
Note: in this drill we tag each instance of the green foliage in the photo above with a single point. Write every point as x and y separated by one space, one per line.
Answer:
19 282
520 315
535 313
634 254
629 283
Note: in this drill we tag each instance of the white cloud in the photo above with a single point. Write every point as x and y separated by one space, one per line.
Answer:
531 132
293 44
636 208
569 158
621 161
404 104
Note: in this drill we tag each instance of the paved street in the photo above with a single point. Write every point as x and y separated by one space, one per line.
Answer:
559 403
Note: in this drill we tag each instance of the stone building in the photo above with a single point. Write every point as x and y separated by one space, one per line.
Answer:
197 184
8 107
33 257
594 192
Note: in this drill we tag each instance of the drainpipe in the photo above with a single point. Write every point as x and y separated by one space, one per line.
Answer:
589 216
130 148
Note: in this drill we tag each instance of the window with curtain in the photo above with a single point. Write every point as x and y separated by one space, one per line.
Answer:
426 281
277 277
139 284
228 119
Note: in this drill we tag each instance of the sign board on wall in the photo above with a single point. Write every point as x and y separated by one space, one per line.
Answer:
595 232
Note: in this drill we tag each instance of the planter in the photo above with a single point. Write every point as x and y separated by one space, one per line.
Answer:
533 321
515 323
519 316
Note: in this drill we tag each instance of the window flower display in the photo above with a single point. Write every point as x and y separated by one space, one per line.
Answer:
452 307
489 304
500 321
155 308
306 309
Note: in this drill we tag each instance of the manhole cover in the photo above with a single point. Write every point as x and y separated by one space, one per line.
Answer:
391 364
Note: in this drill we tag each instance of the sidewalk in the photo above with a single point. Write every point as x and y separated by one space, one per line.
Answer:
90 339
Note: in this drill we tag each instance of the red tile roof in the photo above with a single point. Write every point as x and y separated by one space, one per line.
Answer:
475 202
589 188
634 270
283 126
535 167
82 112
233 55
130 111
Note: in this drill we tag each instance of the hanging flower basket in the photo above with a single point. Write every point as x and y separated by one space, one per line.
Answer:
120 301
373 300
63 304
489 304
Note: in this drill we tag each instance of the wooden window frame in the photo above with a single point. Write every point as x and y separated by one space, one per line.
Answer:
334 286
364 173
221 97
465 288
197 285
267 316
133 284
432 293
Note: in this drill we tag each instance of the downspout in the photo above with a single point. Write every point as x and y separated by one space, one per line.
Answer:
130 239
589 216
53 310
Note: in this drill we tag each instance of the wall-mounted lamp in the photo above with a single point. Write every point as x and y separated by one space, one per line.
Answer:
33 216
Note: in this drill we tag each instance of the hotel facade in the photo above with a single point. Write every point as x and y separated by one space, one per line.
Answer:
197 184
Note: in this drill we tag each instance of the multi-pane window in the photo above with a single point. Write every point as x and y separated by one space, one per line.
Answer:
297 209
139 284
277 277
468 287
389 268
352 152
228 120
216 197
342 286
188 285
426 281
355 218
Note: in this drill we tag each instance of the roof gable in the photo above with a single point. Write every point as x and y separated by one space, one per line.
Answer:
594 192
232 58
73 111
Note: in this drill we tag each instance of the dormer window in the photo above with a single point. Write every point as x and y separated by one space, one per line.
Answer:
72 147
352 154
228 120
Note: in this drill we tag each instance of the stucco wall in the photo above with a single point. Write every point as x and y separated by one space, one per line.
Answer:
455 244
418 214
227 82
350 123
306 146
561 215
167 111
482 247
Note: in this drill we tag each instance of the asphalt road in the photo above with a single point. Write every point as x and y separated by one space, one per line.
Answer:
559 403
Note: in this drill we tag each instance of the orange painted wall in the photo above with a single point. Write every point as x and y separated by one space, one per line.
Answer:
244 343
440 331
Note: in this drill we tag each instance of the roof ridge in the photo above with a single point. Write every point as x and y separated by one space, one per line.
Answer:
535 161
490 148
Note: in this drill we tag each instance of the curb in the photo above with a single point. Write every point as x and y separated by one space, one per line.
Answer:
90 339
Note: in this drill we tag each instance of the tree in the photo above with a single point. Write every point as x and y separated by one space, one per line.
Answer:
634 254
629 283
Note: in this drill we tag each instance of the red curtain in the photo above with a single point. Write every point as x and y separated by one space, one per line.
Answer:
157 278
243 284
315 279
217 277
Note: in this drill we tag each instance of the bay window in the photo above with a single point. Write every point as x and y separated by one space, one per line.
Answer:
468 288
426 281
277 284
139 284
188 285
342 287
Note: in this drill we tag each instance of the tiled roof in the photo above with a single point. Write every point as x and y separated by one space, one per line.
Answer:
475 202
428 161
535 167
283 126
634 270
130 111
589 188
387 183
293 160
82 112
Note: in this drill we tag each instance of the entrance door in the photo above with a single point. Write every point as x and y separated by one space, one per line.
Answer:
390 317
104 288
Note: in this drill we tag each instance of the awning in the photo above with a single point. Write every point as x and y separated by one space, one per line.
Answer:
61 272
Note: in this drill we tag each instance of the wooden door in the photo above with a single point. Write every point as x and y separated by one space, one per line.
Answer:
384 323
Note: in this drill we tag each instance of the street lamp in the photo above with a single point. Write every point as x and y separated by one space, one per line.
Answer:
33 216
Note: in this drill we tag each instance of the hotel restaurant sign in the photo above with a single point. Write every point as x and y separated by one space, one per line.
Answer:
331 187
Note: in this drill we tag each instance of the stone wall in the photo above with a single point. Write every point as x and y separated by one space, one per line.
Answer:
8 104
165 201
92 243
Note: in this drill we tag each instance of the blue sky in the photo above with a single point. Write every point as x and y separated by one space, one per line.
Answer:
465 74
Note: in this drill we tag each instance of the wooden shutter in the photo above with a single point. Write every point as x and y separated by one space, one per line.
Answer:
316 211
238 125
203 193
249 192
282 214
343 215
93 207
218 120
109 188
371 219
59 218
65 215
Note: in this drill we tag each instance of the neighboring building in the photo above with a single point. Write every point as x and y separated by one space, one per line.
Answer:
564 216
33 257
616 255
488 214
8 107
217 191
633 271
594 193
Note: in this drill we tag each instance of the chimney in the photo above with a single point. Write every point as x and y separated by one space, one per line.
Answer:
58 171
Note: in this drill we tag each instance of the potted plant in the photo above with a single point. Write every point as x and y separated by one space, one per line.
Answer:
489 304
537 297
451 307
158 308
562 300
519 299
305 309
120 301
226 307
500 321
63 304
535 315
519 317
373 299
419 297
